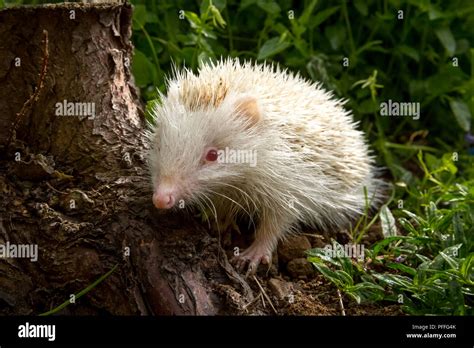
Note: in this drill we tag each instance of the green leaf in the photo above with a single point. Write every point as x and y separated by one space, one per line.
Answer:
371 46
365 291
139 17
467 269
453 263
246 3
193 19
81 293
301 46
272 47
336 35
448 255
207 32
321 255
384 242
447 39
188 40
432 162
407 225
389 228
445 81
322 16
344 277
354 295
206 4
368 106
188 54
152 18
447 160
217 17
395 280
418 219
406 269
462 113
329 274
361 6
346 264
409 52
434 13
456 297
405 175
269 6
220 4
143 70
303 20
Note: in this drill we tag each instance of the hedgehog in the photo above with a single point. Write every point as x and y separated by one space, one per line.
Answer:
241 139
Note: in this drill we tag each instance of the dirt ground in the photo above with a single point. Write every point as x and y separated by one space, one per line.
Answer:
292 286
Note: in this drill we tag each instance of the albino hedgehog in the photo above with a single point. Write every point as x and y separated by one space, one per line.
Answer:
312 164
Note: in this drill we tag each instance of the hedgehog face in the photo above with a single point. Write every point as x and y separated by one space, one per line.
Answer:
194 152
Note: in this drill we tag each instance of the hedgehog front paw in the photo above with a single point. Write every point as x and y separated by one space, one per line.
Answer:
252 257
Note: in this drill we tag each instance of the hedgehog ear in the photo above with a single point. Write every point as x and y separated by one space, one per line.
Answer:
248 107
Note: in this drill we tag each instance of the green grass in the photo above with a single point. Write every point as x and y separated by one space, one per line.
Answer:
429 267
80 293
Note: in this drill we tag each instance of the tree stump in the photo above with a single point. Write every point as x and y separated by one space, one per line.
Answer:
73 177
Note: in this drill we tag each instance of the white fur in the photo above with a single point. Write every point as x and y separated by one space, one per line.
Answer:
309 149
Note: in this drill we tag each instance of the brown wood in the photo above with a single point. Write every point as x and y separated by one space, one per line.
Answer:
78 186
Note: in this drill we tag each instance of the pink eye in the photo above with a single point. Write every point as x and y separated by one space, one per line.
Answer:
211 155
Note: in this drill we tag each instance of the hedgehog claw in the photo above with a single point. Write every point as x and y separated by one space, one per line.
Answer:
251 259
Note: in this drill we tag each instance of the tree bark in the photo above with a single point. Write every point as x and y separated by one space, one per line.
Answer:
77 186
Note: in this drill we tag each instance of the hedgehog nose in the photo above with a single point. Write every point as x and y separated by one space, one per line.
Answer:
163 198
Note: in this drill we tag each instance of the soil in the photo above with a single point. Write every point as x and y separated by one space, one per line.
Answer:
310 294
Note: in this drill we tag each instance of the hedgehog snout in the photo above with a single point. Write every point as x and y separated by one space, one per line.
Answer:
164 196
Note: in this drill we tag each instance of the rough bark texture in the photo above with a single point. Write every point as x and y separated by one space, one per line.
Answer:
76 186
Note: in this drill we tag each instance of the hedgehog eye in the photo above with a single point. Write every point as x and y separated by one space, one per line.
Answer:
211 155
